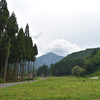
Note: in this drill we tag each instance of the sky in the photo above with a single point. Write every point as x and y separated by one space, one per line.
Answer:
59 26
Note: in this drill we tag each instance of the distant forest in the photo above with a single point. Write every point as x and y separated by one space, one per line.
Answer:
16 47
88 60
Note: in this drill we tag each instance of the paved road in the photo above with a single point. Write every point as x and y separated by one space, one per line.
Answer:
10 84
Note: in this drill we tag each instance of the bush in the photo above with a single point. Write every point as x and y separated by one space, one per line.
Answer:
78 71
1 80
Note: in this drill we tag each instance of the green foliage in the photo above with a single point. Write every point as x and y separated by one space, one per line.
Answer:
1 80
27 31
95 74
12 26
35 50
20 44
4 14
92 62
64 67
78 71
88 60
43 69
80 54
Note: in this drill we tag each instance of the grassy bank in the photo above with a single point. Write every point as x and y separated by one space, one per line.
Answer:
54 88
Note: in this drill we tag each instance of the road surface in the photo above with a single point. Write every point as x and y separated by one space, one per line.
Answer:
3 85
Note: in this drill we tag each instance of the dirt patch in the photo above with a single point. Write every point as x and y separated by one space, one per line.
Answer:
94 78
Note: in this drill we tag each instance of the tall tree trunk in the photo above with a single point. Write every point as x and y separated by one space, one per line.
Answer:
7 74
33 70
16 71
6 62
31 67
22 74
20 69
28 71
25 70
11 72
17 68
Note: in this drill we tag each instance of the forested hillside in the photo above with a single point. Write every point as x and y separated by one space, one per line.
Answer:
16 46
79 54
88 59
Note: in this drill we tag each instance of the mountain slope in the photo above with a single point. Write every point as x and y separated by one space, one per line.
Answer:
80 54
64 66
48 59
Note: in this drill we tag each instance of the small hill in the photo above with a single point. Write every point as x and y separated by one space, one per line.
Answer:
48 59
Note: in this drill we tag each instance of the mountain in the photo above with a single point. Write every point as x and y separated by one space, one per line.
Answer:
80 54
47 59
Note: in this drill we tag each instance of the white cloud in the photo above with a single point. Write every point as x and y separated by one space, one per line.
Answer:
59 46
62 47
77 21
37 35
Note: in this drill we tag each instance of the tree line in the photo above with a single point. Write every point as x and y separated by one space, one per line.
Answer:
16 47
83 62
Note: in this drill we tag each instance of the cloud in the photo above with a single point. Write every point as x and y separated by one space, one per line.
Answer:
74 20
62 47
37 35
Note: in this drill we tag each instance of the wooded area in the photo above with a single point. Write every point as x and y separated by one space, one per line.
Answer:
16 47
88 60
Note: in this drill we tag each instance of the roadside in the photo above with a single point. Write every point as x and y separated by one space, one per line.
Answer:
3 85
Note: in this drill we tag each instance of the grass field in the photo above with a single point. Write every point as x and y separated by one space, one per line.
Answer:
54 88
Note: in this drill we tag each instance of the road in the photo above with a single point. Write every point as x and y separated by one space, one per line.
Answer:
3 85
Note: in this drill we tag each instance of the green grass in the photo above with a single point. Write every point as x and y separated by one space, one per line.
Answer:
54 88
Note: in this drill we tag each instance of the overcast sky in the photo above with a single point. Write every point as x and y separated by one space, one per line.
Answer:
60 26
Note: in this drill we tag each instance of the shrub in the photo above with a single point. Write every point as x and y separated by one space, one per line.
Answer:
1 80
78 71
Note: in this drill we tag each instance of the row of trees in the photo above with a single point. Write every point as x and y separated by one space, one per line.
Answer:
16 46
77 66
